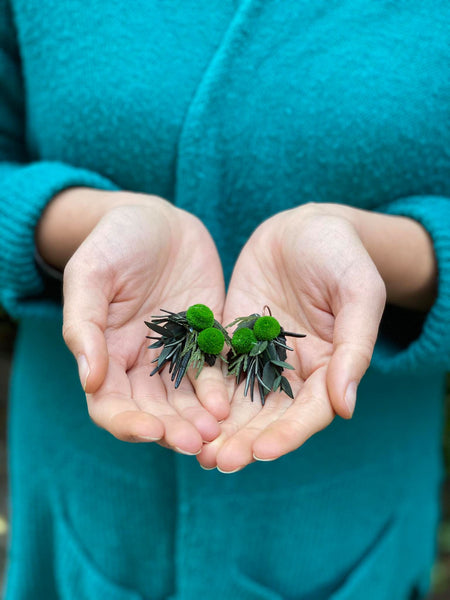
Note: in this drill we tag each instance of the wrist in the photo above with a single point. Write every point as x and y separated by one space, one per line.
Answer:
404 254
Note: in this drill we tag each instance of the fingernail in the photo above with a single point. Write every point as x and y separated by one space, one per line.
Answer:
187 453
207 468
229 472
148 438
83 370
350 396
263 459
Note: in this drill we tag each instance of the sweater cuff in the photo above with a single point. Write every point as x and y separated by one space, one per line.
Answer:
430 347
25 192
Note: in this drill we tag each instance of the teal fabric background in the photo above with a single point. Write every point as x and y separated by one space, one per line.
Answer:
234 111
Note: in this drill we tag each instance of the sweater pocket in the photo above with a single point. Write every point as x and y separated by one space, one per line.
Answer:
246 588
76 575
373 577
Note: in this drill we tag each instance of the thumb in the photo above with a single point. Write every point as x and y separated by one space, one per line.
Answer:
84 321
355 334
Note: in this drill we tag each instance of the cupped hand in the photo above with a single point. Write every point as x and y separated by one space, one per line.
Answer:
143 256
311 268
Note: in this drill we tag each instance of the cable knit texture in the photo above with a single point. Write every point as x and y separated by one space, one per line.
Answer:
234 110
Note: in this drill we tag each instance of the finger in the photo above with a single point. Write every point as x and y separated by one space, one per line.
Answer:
237 451
85 313
310 412
213 390
355 334
151 395
186 403
242 411
113 408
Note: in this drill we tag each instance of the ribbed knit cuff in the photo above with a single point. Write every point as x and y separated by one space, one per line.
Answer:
431 349
24 193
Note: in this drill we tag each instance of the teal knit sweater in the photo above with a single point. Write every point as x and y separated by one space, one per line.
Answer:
234 110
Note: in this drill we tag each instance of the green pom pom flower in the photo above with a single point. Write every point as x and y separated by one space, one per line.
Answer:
211 341
243 340
266 328
199 317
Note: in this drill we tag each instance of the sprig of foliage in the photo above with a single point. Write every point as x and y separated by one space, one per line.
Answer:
179 341
260 362
192 338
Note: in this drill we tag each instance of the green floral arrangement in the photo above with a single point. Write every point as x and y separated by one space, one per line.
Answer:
188 338
258 353
193 338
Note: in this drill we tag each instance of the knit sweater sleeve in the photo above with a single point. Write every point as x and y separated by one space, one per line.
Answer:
26 186
410 340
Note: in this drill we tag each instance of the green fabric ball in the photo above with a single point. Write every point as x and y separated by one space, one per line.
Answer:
211 341
266 328
243 340
199 317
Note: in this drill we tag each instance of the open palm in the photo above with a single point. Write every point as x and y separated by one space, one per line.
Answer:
315 275
141 258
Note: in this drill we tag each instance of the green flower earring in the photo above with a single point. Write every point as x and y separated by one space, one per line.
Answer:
191 338
258 354
188 338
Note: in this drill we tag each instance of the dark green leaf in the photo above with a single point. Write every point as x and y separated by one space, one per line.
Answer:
296 335
169 312
269 375
157 369
262 393
269 389
182 369
286 387
254 351
157 328
258 348
283 365
272 352
278 343
250 377
174 360
276 383
244 321
165 354
155 345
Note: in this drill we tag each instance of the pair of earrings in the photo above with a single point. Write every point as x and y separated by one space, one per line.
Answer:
191 338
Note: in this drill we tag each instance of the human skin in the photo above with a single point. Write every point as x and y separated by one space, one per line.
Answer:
124 257
325 270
